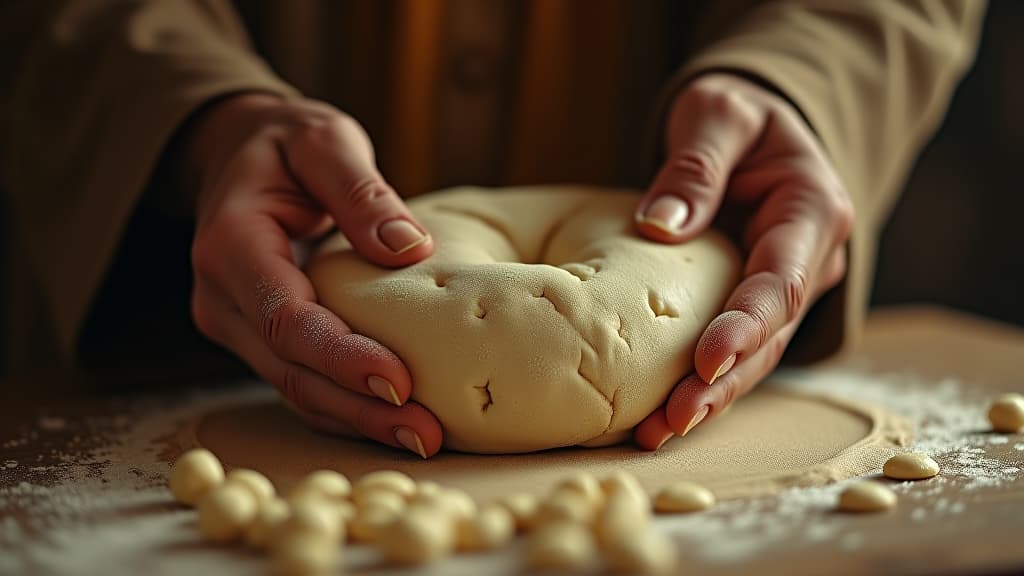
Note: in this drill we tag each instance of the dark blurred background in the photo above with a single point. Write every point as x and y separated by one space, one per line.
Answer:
955 236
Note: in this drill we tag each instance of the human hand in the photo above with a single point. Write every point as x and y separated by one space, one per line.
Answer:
272 173
740 154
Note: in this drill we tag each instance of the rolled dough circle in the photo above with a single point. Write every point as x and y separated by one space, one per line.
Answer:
768 441
541 320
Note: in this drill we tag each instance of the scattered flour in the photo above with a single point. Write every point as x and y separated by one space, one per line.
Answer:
103 506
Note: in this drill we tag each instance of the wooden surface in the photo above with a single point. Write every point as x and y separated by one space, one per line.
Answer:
939 527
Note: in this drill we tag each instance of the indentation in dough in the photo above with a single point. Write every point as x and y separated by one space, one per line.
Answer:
480 312
660 307
486 221
441 280
581 271
543 294
485 393
618 331
552 232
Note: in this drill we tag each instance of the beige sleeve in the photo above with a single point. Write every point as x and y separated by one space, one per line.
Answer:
873 78
101 88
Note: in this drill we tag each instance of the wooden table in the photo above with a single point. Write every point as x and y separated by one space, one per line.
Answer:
81 485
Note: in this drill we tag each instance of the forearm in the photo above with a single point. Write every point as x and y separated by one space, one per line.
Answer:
873 79
103 87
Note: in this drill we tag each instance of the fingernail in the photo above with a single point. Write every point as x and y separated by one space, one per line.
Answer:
400 235
411 440
697 418
667 213
383 389
665 439
725 367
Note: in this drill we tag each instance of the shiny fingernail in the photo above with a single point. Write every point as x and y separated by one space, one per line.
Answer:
667 213
400 235
697 418
411 440
725 367
665 439
383 389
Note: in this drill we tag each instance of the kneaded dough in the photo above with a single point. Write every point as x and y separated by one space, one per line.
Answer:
542 320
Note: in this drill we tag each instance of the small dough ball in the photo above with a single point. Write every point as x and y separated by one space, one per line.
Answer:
587 485
523 508
314 515
370 524
226 512
624 513
381 499
866 496
564 506
560 546
420 536
910 466
643 552
260 486
428 488
305 554
625 482
326 483
270 517
1007 413
195 474
490 528
683 497
460 504
384 480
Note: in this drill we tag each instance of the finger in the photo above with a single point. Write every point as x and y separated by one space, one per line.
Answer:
320 402
278 301
782 268
708 133
653 431
694 401
333 160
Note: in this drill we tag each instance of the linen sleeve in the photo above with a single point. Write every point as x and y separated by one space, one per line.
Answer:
100 87
874 79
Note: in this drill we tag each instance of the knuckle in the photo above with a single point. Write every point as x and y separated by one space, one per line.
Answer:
695 166
275 320
793 290
757 311
291 385
361 194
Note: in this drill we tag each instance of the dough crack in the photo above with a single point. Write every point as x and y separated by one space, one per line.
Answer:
660 307
618 332
588 380
485 392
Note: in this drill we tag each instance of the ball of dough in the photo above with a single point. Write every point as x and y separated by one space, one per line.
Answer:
260 486
419 536
226 512
271 516
523 508
910 466
490 528
866 496
326 483
642 552
1007 413
560 546
194 474
683 497
314 515
536 303
384 481
305 554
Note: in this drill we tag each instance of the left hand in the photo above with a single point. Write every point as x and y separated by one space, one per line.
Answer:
741 155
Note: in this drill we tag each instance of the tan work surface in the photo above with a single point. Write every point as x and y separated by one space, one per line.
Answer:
62 511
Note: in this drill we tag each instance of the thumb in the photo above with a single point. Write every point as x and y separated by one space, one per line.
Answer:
708 133
334 162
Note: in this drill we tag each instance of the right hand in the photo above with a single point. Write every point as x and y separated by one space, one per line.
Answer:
272 173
